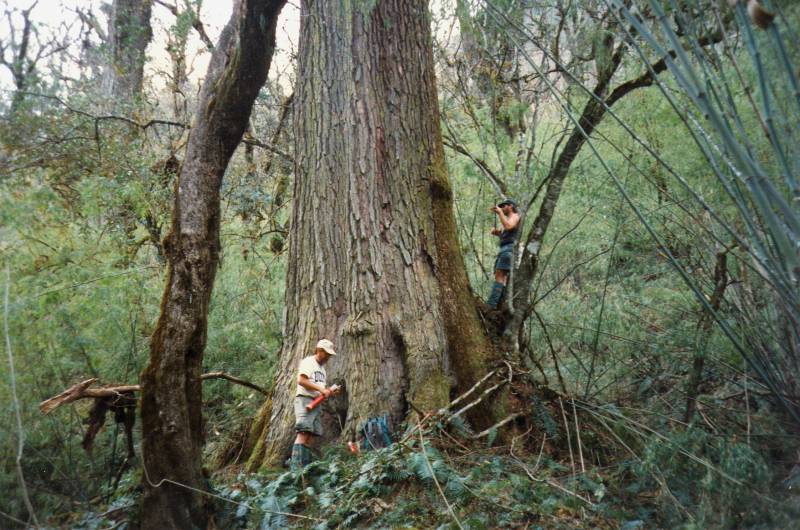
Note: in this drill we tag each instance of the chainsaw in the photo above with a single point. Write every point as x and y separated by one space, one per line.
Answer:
320 398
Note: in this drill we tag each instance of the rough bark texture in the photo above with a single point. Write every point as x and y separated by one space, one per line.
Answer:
129 33
172 425
375 264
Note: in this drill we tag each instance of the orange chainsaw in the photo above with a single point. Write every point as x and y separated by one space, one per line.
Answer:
320 398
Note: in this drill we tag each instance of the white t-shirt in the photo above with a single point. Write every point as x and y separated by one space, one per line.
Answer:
310 368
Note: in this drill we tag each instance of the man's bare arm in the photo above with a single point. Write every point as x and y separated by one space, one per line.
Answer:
509 222
306 383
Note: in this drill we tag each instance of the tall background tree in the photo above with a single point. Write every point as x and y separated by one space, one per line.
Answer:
28 54
129 32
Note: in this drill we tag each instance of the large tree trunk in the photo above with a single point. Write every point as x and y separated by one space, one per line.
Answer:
172 425
374 262
129 32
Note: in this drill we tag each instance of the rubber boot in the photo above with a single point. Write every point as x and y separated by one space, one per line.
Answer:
496 295
307 455
298 453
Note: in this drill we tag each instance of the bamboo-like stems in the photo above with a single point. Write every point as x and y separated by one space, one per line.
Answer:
578 436
20 432
768 250
569 436
435 480
773 224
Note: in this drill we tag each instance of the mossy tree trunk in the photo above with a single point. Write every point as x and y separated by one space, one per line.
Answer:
172 425
374 261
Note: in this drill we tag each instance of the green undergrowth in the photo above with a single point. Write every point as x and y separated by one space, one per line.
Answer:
690 479
397 488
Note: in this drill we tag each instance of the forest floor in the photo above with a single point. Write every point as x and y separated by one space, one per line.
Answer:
437 478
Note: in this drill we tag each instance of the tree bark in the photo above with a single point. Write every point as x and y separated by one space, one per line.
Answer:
374 262
172 425
129 33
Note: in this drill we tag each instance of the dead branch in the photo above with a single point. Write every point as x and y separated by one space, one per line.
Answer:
67 396
228 377
82 391
483 395
471 390
499 424
475 402
197 24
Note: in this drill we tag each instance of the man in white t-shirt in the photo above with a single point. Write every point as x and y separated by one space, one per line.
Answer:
310 384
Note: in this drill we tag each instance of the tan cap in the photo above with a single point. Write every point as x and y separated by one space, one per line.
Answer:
326 345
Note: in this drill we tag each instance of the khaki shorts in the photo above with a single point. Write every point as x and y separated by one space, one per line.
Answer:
306 421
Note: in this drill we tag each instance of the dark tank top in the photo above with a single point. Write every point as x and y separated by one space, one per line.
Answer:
508 237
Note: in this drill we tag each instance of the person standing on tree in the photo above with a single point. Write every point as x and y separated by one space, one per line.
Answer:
509 217
310 384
